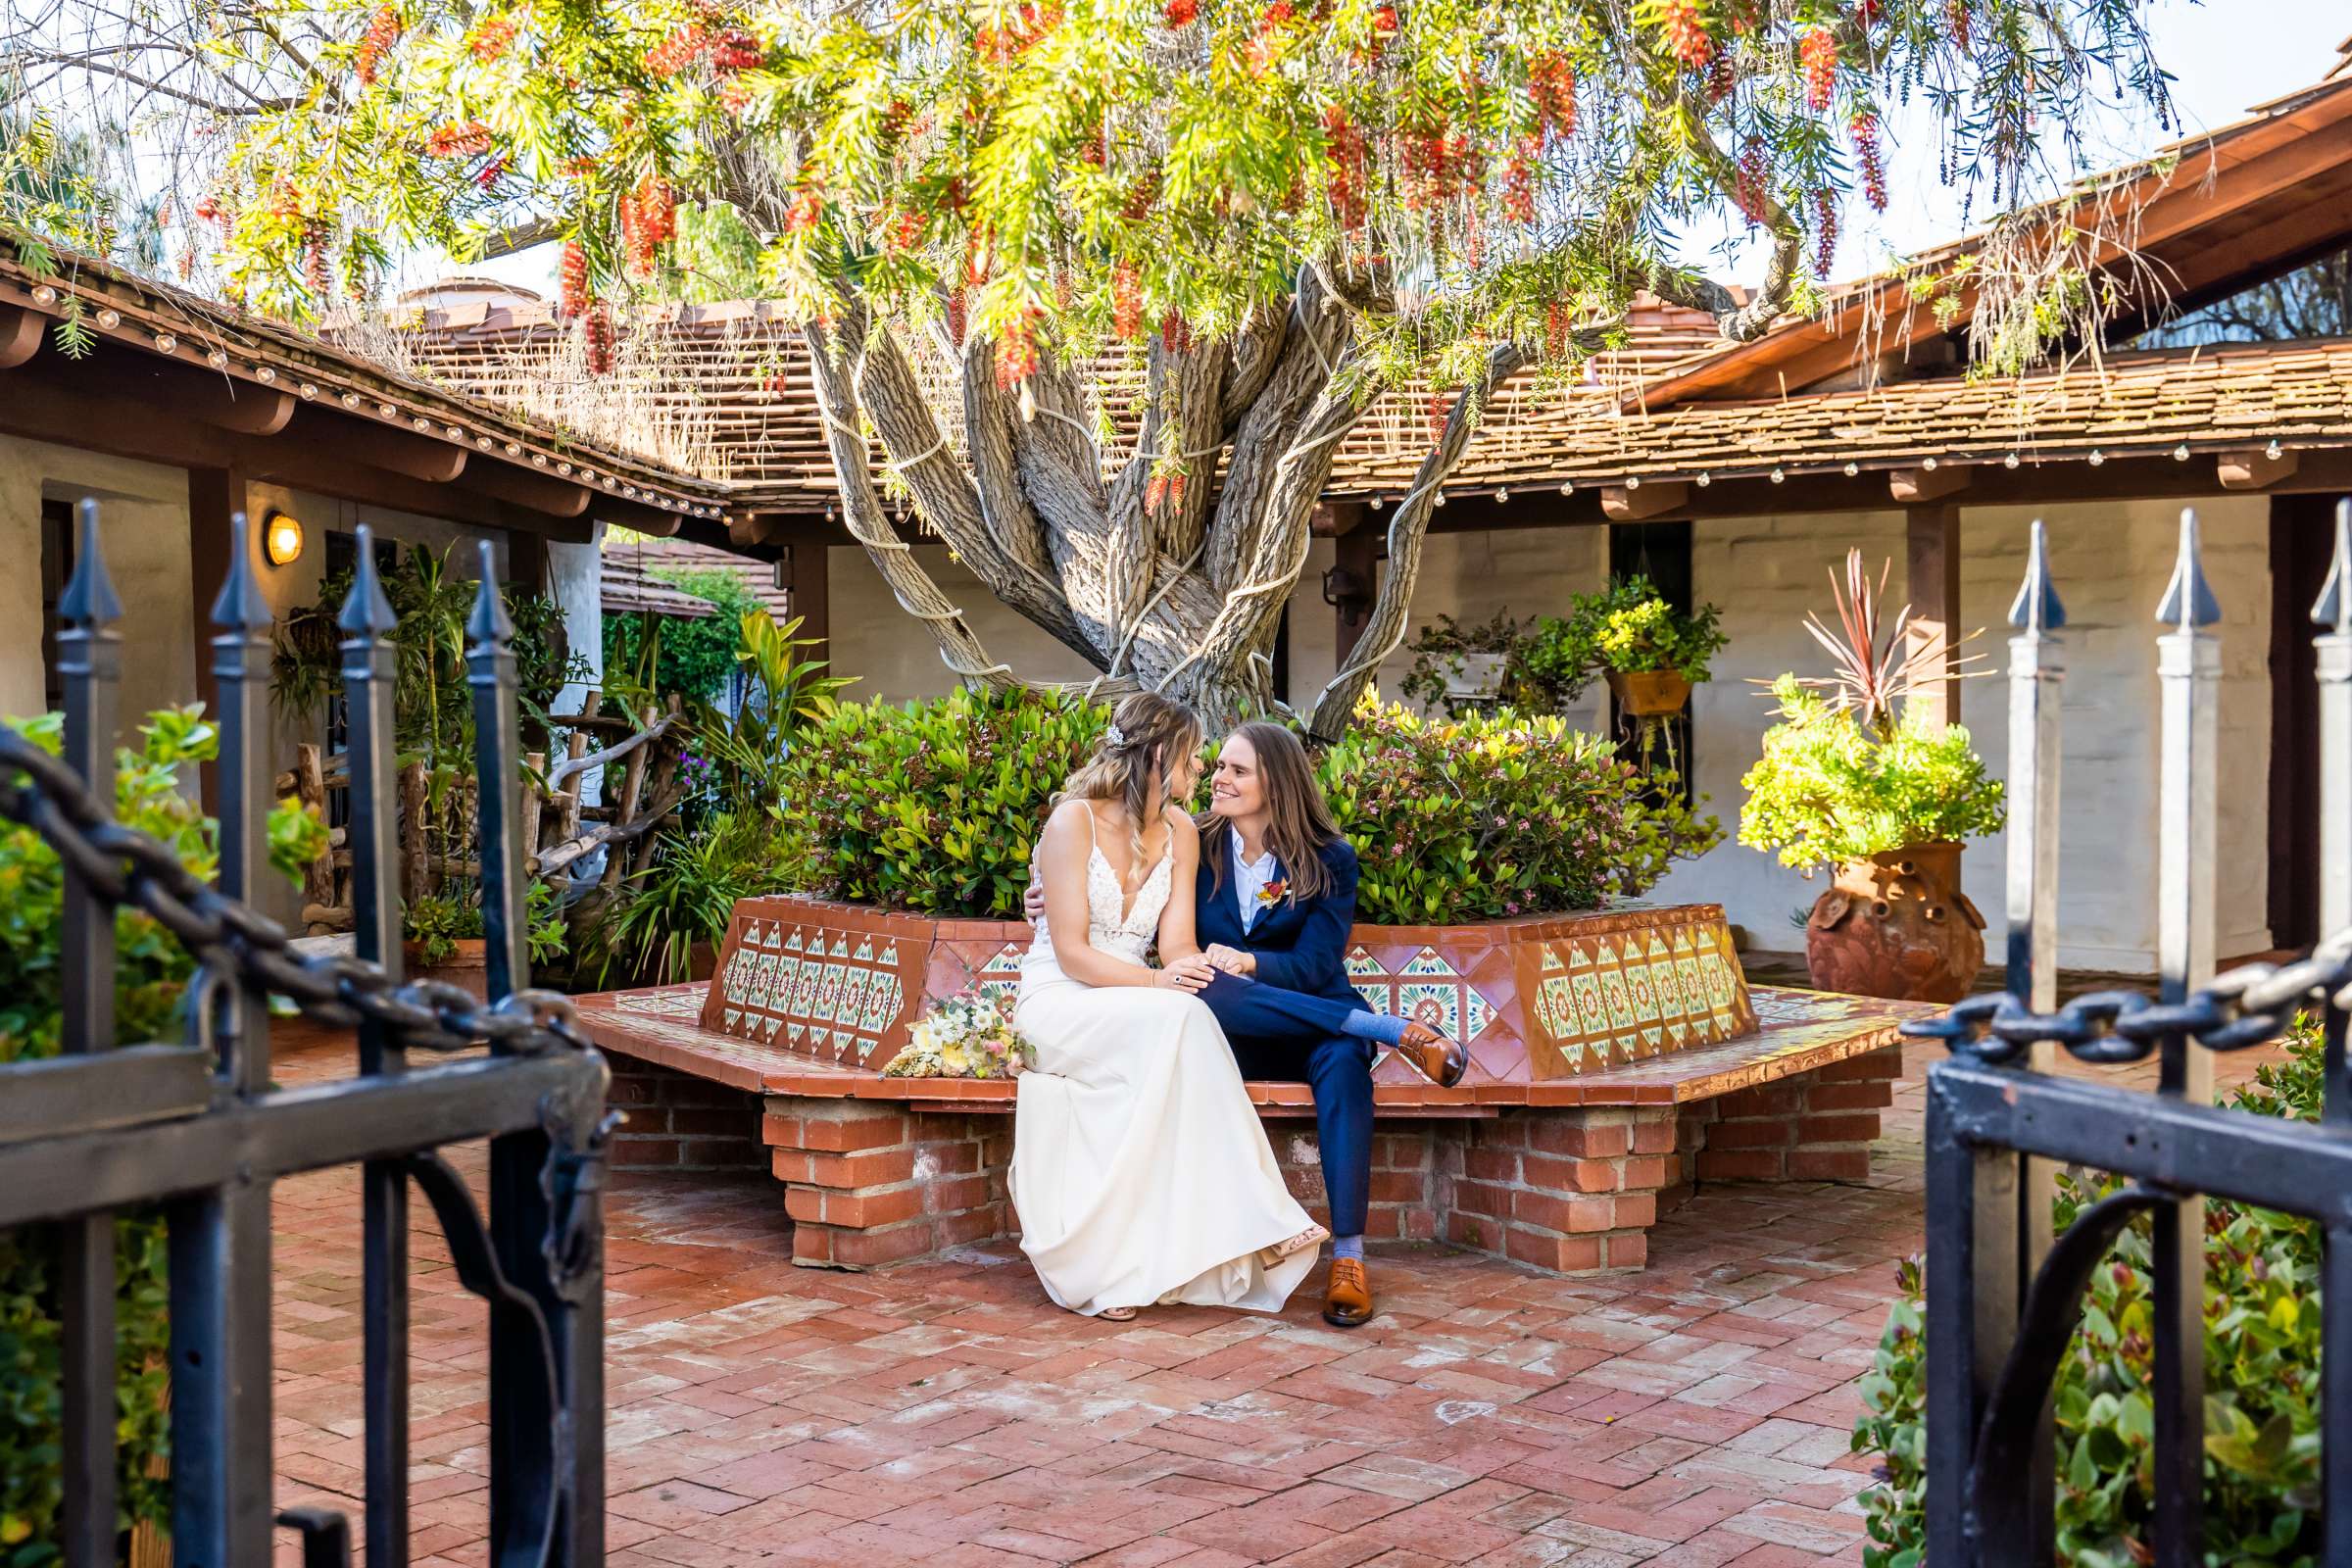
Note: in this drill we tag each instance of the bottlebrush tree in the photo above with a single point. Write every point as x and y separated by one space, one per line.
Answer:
1280 212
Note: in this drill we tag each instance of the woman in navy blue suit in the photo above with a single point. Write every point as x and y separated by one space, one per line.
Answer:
1277 892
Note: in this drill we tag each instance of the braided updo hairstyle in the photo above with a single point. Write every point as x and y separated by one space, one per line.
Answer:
1148 733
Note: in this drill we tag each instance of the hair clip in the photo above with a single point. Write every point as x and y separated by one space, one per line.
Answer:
1114 736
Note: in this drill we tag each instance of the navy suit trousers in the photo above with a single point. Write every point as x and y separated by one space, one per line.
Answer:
1291 1037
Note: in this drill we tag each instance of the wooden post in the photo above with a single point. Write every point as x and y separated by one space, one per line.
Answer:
310 789
414 870
213 495
1357 553
625 811
526 829
801 571
1932 557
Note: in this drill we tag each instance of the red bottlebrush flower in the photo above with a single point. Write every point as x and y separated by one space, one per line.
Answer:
1385 22
955 317
1519 187
492 38
1723 78
1869 156
1439 406
315 275
1017 356
1555 328
1866 12
1347 158
1753 180
681 51
1279 13
210 211
1176 333
596 339
907 230
459 140
1141 196
1685 32
806 209
1156 492
1091 151
735 96
1825 222
490 173
1181 12
1126 301
1552 82
1955 16
383 29
573 279
895 118
1818 50
737 49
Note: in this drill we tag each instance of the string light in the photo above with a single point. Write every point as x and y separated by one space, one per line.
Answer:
420 422
386 409
1779 475
1852 468
2009 462
309 391
513 449
1705 479
45 295
1928 463
1633 481
218 360
563 467
1441 498
456 435
538 459
110 319
1377 503
1502 495
2273 452
264 373
351 400
165 343
1568 488
2180 453
2097 457
484 442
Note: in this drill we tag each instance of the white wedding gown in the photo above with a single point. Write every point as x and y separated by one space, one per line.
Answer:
1139 1170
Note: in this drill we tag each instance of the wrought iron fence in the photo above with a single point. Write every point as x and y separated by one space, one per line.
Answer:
197 1129
2003 1293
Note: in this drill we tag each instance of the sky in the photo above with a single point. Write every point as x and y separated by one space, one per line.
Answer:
2224 57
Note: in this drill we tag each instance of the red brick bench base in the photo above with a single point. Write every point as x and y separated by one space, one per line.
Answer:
1563 1176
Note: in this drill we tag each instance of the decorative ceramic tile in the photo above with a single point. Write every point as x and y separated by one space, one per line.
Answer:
1429 963
1371 981
1000 979
851 1013
1436 1005
1477 1014
882 999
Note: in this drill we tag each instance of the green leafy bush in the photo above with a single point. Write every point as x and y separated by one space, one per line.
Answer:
934 807
1830 789
694 657
1480 818
2261 1382
646 933
149 979
1548 662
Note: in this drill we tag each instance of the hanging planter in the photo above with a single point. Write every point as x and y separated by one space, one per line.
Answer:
1650 693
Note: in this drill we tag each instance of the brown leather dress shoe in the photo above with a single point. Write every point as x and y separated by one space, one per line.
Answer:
1441 1060
1347 1297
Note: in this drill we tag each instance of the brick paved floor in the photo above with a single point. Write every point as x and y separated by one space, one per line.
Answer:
1695 1413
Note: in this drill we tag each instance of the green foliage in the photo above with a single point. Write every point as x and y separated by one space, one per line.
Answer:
1629 627
934 806
436 922
1550 660
2262 1380
1488 817
1826 789
150 977
646 935
693 658
744 753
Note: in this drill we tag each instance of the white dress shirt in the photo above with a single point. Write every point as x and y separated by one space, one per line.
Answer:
1249 879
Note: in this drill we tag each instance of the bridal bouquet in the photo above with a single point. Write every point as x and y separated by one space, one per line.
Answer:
964 1037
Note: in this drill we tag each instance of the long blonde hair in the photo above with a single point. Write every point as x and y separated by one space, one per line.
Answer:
1299 822
1148 734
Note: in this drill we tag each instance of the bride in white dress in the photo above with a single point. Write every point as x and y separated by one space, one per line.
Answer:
1139 1170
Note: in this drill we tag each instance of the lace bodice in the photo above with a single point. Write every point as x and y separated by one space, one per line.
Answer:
1127 936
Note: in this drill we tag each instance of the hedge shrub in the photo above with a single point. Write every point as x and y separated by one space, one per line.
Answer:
152 972
933 806
2261 1382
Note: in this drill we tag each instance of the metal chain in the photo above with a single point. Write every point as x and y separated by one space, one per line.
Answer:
2246 1006
124 867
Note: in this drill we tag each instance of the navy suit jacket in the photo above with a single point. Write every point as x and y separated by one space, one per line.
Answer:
1300 945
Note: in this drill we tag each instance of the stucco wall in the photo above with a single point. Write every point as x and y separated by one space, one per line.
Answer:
144 518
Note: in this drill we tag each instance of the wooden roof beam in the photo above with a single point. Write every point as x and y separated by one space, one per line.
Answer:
2254 468
1638 503
526 488
1914 487
20 332
380 446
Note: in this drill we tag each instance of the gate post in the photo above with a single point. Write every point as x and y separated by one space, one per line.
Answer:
2189 667
2333 648
89 656
221 1244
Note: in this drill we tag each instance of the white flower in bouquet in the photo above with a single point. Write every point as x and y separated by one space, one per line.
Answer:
964 1035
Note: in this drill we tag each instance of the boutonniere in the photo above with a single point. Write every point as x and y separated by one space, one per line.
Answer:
1274 891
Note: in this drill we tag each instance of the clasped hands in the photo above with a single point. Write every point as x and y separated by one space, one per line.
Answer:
1192 973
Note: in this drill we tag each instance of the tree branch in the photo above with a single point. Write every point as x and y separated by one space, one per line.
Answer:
1315 344
869 525
1406 531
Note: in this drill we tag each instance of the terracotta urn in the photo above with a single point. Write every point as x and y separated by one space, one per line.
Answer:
1897 925
467 966
1650 693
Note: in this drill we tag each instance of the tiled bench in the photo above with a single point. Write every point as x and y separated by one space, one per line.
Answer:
1567 1175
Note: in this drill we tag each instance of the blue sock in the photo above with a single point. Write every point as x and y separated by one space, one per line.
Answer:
1386 1028
1348 1246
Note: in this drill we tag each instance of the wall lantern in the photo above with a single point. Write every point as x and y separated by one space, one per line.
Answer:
281 539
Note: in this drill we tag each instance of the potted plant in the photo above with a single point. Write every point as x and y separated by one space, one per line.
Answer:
1850 779
1651 653
1492 847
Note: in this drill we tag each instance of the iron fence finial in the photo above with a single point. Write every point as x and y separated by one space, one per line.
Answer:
241 604
2333 610
490 622
367 612
89 600
2188 601
2037 608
